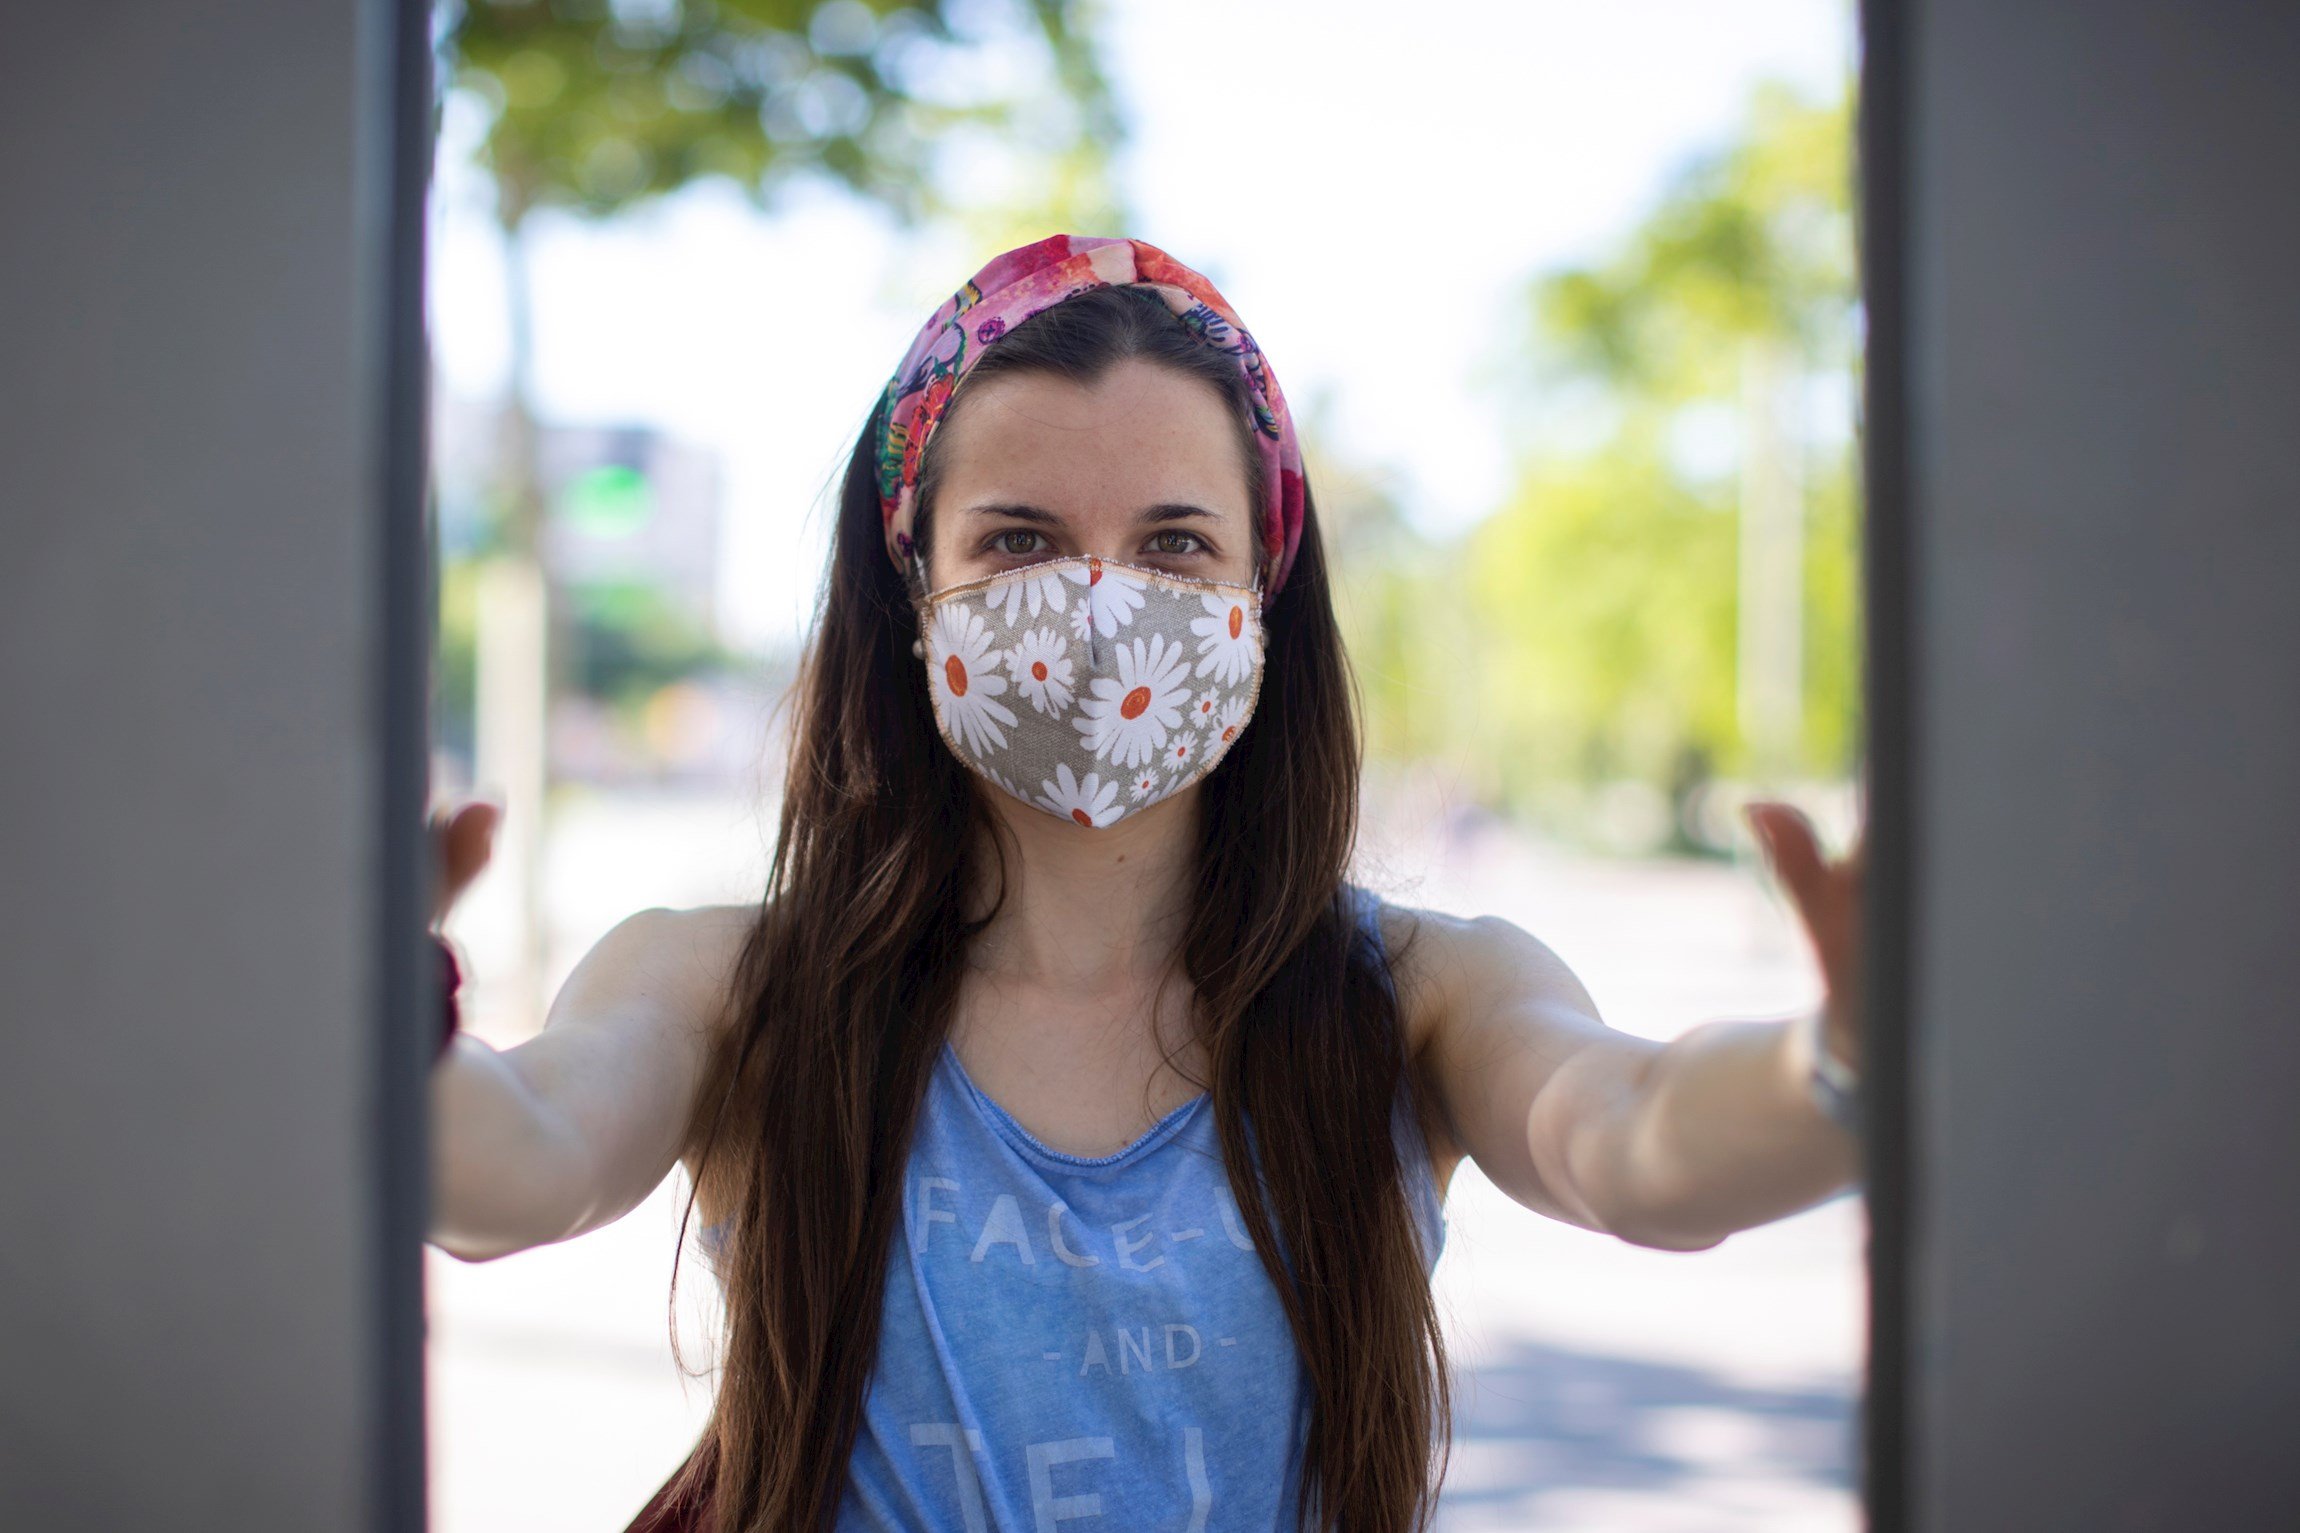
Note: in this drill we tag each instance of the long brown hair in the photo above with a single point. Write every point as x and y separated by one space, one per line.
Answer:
846 983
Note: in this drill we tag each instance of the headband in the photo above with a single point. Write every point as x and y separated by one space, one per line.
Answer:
1023 282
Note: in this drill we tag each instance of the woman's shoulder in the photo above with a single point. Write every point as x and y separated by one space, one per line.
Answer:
1406 934
1418 947
696 932
683 958
642 1011
1443 963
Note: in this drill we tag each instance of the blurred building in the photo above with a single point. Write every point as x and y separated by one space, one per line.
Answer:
644 687
628 504
633 506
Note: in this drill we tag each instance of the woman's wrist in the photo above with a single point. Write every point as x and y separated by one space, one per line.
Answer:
448 979
1822 1074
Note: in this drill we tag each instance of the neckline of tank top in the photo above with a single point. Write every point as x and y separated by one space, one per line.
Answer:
1010 1128
1007 1127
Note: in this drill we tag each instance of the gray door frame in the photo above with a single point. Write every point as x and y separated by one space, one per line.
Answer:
213 630
2082 423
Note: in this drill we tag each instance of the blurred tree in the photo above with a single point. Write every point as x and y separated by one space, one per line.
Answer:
1670 590
630 640
599 105
1382 571
596 106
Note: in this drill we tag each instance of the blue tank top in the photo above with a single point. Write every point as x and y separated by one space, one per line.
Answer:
1082 1340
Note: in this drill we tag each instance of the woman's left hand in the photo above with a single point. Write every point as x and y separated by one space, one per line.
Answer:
1828 900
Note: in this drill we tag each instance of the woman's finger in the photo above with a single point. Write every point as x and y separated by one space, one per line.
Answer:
1824 894
1792 850
462 841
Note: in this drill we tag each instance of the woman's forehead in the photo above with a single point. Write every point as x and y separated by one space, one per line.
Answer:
1140 435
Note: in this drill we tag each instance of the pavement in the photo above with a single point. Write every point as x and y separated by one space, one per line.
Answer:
1598 1385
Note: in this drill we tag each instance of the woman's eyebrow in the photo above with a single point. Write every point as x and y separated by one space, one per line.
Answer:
1165 511
1021 513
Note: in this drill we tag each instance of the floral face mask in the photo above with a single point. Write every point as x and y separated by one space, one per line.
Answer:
1089 689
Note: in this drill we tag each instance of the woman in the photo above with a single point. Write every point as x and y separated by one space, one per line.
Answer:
1056 940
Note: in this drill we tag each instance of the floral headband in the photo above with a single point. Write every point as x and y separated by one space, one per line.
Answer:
1024 281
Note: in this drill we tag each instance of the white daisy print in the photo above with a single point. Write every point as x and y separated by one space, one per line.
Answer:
1112 596
963 671
1145 785
1179 750
1041 592
1039 662
1127 720
1225 728
1082 621
1092 803
1209 703
1227 636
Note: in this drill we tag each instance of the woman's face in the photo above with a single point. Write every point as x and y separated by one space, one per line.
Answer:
1142 467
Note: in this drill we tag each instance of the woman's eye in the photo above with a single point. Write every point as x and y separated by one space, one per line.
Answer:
1016 541
1176 543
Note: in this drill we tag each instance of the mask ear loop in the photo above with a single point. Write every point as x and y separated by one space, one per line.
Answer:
918 604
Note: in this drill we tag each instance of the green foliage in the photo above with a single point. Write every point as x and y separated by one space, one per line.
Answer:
1383 572
1833 723
1605 627
599 106
455 660
1752 241
629 640
595 107
1586 632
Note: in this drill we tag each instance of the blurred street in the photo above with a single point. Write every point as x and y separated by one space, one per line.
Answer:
1599 1386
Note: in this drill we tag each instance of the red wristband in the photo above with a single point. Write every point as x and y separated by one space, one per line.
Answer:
450 980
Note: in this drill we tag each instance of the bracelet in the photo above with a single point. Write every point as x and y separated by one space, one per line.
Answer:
1834 1085
449 978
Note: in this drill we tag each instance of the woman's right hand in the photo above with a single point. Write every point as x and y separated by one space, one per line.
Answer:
462 839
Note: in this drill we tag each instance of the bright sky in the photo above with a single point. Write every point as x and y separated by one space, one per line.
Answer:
1371 185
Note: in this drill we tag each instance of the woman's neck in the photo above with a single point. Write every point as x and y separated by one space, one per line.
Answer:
1088 912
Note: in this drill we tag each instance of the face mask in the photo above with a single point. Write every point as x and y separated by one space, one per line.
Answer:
1088 689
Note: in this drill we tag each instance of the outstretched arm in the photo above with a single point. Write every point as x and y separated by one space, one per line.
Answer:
575 1127
1671 1145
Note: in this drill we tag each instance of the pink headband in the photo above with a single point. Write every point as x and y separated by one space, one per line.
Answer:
1020 283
